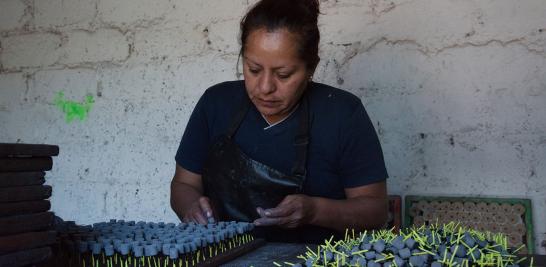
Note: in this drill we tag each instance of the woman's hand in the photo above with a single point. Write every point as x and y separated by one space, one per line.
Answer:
364 208
199 211
293 211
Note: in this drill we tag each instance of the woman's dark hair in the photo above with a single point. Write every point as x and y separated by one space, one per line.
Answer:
298 16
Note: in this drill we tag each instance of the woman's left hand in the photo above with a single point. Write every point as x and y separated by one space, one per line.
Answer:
293 211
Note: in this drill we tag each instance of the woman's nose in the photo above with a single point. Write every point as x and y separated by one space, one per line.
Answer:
267 84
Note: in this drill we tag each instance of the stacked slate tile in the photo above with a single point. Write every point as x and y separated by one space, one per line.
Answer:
26 232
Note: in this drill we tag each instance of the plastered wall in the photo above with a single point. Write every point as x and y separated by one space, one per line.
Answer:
456 90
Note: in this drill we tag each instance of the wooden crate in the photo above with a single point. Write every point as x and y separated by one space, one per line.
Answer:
510 216
27 207
25 257
25 223
25 241
25 193
35 150
25 164
395 213
13 179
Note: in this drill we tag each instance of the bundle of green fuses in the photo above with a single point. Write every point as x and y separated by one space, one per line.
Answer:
434 245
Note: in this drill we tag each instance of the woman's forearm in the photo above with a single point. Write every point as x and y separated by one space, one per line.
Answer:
182 197
358 213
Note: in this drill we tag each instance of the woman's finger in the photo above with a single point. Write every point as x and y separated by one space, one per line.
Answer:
281 211
204 204
284 209
266 221
199 217
260 211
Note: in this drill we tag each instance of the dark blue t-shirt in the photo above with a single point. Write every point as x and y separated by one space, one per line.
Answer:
343 152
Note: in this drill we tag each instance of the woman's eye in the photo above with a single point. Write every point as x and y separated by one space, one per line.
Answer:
283 76
254 70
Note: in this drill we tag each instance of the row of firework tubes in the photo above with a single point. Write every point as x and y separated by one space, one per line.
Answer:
151 239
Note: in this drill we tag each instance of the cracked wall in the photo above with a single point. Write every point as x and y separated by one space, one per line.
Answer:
456 89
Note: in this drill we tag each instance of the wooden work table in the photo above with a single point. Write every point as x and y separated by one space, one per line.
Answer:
269 253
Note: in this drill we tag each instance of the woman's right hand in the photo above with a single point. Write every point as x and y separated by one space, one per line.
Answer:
200 211
187 198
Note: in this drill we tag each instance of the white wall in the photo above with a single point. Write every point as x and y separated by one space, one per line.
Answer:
457 90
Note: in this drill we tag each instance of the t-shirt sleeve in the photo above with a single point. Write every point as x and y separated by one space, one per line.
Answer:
194 146
361 162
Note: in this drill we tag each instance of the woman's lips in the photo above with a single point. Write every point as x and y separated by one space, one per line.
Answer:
268 103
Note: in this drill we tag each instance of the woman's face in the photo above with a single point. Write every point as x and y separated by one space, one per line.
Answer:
275 75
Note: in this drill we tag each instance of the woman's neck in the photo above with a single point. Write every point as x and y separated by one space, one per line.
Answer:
276 119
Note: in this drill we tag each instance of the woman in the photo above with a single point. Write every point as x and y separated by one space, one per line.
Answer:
299 159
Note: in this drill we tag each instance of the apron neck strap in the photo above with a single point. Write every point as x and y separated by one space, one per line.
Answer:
239 116
301 141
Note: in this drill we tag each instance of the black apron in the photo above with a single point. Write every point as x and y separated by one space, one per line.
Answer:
237 184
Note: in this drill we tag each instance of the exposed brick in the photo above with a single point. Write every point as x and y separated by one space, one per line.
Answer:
204 12
126 12
158 42
12 89
12 14
51 13
511 17
99 46
30 50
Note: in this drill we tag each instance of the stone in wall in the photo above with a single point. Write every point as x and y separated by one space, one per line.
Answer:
64 13
159 43
124 13
30 50
204 12
102 45
13 15
12 91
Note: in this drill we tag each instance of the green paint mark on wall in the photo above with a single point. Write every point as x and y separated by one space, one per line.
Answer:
73 109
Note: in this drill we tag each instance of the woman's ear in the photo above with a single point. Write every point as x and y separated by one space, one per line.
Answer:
310 73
